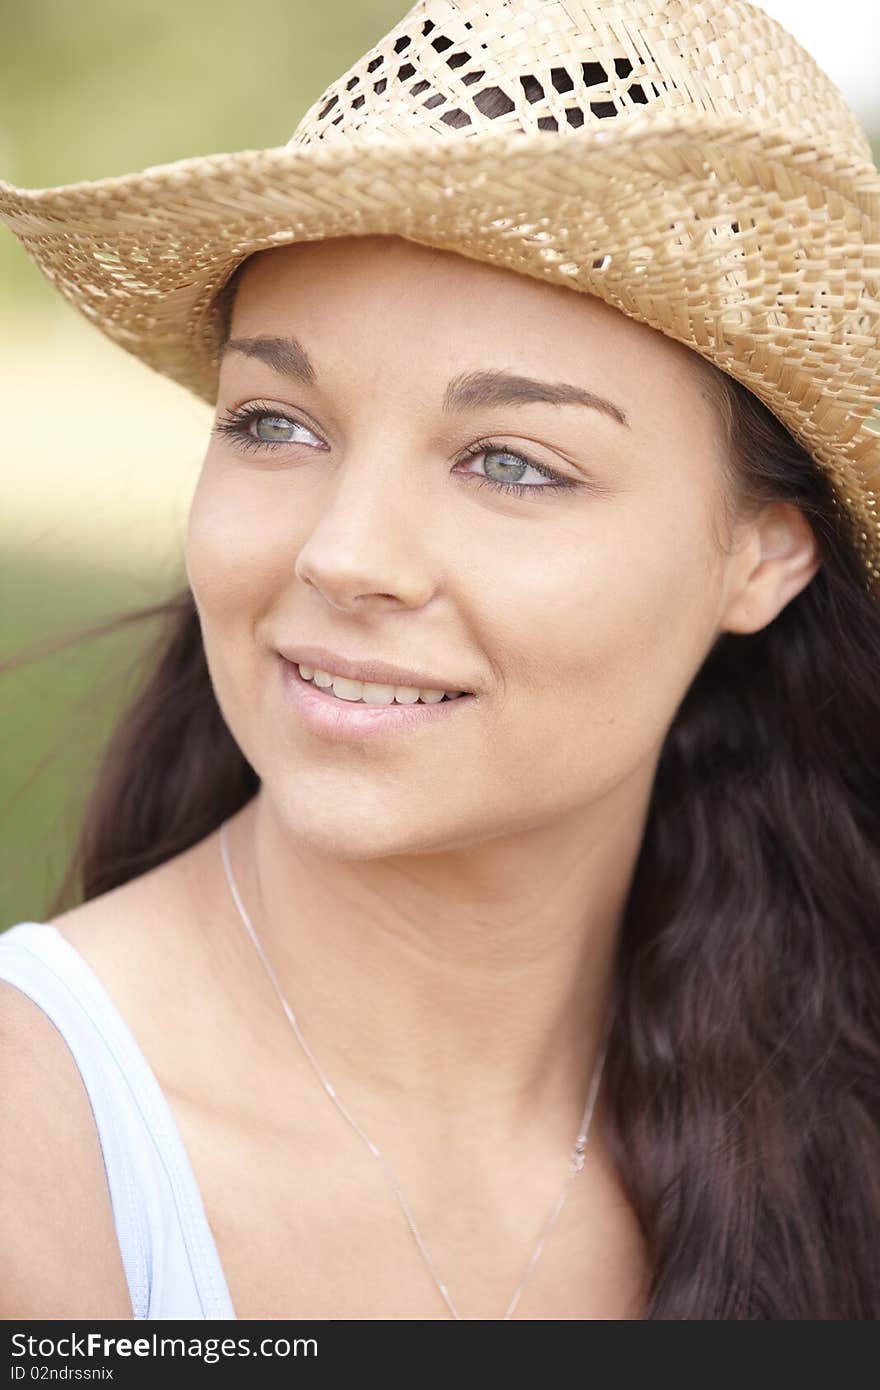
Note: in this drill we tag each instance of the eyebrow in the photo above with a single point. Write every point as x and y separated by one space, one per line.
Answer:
470 390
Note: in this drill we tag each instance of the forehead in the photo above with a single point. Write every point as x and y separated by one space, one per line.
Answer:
349 292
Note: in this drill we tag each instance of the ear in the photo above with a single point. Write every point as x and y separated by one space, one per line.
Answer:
776 560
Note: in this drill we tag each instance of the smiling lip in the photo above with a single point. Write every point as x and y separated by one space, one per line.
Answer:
324 713
374 672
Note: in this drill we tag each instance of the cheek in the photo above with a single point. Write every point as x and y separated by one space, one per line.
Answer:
604 639
237 558
235 548
234 557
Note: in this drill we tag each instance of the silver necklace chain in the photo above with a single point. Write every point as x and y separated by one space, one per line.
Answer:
577 1154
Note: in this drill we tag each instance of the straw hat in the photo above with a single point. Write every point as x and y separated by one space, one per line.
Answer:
684 160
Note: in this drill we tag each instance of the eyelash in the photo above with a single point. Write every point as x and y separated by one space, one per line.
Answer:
234 424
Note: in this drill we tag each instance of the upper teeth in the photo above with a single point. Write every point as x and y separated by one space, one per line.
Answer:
373 694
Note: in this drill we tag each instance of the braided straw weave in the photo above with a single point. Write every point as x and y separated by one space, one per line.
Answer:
684 160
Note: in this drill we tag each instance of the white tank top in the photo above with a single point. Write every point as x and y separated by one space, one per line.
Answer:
168 1250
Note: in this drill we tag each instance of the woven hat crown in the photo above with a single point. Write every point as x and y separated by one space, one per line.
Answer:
455 67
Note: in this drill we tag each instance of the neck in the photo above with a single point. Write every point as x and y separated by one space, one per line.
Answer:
466 989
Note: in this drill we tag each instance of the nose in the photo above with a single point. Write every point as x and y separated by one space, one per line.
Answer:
368 536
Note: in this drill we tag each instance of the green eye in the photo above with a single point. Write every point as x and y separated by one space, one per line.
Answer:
254 428
503 470
518 464
272 429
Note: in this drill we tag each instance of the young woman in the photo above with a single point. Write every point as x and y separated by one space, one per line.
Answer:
478 905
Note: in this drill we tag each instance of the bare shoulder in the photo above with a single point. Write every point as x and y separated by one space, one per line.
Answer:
128 920
154 945
143 936
58 1246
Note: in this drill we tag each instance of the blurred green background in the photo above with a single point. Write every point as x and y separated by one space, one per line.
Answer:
99 454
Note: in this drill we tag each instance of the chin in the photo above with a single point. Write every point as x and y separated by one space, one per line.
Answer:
344 826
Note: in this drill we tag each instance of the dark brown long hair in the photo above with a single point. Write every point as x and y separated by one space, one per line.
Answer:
743 1070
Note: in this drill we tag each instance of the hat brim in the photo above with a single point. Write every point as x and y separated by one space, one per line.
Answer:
743 245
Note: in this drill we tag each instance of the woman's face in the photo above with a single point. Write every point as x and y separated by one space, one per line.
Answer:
577 608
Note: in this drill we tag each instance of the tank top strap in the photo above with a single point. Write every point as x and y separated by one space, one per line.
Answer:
168 1251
